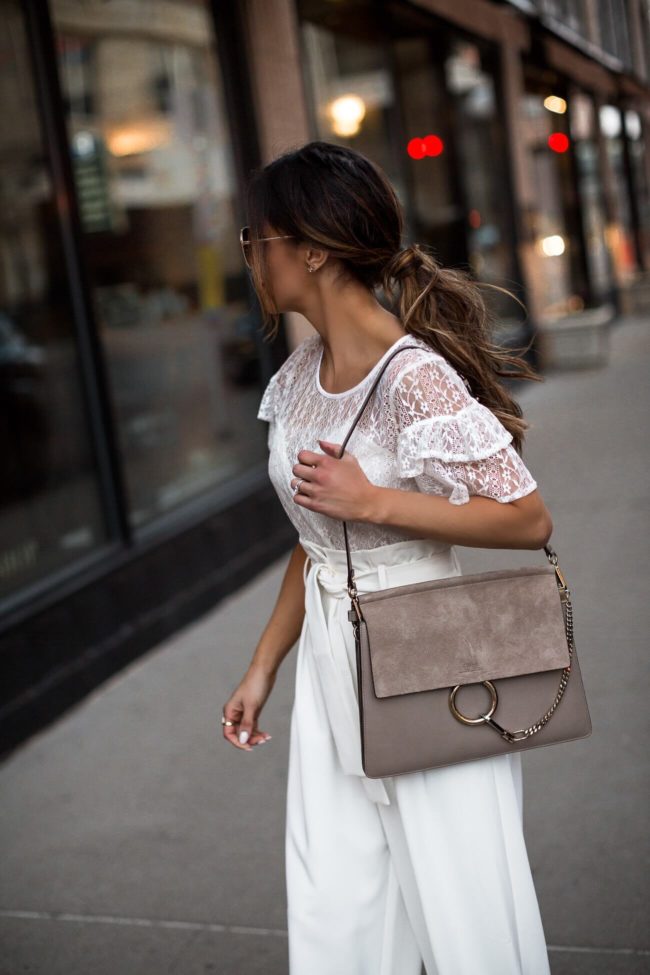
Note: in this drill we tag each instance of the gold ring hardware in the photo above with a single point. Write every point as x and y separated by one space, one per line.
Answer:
484 717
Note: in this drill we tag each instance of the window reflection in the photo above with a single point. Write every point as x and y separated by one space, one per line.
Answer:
50 513
350 83
583 125
558 272
382 94
437 213
471 82
620 236
635 134
151 154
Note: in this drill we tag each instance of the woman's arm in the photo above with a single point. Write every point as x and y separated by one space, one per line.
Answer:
285 623
479 523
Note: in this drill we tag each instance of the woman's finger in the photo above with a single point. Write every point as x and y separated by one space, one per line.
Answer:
232 732
257 738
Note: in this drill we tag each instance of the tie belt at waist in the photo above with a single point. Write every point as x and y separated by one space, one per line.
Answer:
397 563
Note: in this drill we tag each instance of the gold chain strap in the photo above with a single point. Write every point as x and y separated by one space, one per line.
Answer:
522 733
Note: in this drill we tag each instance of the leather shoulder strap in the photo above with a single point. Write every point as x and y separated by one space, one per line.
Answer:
349 434
352 589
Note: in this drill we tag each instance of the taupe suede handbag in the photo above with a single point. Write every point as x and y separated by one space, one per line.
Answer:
431 655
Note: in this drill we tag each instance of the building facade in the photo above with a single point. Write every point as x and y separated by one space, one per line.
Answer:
135 488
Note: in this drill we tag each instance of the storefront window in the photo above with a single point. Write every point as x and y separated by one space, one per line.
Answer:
352 96
558 268
50 512
570 14
471 87
151 152
636 143
384 85
584 137
438 216
460 196
621 231
614 31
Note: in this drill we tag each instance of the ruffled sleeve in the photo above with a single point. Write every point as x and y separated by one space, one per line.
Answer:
268 405
449 441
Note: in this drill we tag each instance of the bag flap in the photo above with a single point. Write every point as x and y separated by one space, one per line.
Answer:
464 629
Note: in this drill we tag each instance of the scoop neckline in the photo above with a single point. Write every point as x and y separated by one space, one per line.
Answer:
353 389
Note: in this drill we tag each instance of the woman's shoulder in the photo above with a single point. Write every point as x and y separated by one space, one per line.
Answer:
286 377
306 351
308 348
419 365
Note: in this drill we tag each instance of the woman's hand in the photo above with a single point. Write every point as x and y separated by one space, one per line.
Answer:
333 486
244 706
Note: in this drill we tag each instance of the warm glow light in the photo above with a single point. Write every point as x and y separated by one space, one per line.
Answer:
136 137
552 246
346 114
558 142
474 219
555 104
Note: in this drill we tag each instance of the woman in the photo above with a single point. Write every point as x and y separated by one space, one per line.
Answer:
383 875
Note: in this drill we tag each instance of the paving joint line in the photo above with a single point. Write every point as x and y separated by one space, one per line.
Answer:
142 922
241 928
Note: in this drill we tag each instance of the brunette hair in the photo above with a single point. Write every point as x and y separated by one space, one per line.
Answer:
334 197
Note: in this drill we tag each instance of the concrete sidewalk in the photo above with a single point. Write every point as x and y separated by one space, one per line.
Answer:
137 842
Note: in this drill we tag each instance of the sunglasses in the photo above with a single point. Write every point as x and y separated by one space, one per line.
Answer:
245 241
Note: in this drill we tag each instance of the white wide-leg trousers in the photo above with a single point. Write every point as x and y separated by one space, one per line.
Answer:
386 875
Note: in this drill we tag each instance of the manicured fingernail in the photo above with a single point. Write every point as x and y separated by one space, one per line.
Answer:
243 737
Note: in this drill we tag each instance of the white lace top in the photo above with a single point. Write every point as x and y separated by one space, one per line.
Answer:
420 431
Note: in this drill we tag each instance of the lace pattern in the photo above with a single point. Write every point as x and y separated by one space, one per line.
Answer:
421 431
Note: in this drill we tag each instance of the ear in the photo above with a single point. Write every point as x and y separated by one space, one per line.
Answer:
316 256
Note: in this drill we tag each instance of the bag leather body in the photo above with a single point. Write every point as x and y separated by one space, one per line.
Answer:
424 650
416 642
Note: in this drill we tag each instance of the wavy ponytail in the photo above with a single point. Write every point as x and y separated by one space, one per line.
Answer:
336 198
445 308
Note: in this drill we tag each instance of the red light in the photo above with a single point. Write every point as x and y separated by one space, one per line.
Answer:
474 219
416 149
558 142
430 145
433 145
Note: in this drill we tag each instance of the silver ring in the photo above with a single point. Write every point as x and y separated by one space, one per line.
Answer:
297 486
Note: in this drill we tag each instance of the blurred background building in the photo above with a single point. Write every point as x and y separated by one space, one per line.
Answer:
134 490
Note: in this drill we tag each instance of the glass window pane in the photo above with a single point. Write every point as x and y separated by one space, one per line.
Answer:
151 150
558 262
471 88
621 231
437 213
351 87
583 125
636 136
50 512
